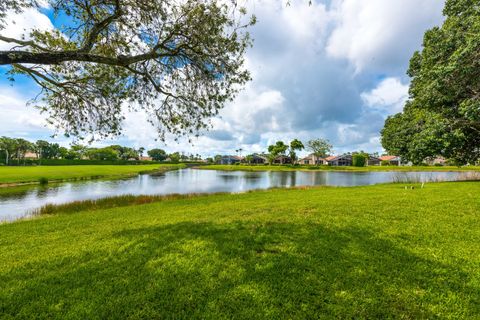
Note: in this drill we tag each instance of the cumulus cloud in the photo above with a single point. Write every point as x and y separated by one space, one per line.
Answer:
19 25
390 95
18 119
380 35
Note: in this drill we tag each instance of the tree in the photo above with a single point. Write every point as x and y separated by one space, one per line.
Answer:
295 144
104 154
359 159
78 151
8 147
157 154
249 158
175 157
22 146
319 147
141 150
279 148
442 115
46 150
217 158
179 61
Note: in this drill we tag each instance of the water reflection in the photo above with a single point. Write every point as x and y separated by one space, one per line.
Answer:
17 202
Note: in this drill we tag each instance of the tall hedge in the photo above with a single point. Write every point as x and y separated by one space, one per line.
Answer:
359 160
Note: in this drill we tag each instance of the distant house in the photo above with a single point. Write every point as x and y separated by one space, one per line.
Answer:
438 161
31 155
339 161
373 161
230 160
282 160
312 160
392 160
258 159
145 158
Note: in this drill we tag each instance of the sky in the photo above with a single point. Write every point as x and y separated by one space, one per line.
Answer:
334 69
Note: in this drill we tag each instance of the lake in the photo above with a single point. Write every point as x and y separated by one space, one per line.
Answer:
19 202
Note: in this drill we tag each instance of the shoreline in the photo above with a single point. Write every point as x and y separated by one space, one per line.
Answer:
92 177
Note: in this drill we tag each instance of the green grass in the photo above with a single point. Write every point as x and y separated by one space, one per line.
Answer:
333 168
372 252
16 175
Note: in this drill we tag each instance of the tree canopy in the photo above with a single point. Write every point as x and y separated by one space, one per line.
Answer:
442 116
319 147
178 61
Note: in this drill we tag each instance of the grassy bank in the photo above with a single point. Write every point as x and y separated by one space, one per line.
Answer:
18 175
333 168
363 252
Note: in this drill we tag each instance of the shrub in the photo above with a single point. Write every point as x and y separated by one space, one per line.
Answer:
385 163
359 160
43 181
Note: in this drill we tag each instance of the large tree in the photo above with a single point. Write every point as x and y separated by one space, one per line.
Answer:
319 147
295 145
157 154
180 61
442 116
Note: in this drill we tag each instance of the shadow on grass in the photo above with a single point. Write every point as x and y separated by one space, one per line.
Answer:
243 270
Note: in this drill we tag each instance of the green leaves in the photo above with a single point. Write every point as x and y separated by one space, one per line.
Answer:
177 62
442 117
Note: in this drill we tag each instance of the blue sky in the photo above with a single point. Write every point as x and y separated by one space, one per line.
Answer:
334 70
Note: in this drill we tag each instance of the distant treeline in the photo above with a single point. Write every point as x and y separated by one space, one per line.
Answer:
17 151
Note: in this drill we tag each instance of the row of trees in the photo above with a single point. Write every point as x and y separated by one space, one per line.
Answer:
16 149
162 155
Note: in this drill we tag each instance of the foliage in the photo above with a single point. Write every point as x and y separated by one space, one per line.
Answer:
386 253
295 145
47 150
279 148
442 117
359 159
107 153
319 147
157 154
179 62
174 157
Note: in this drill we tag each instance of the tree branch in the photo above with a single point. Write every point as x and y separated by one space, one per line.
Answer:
99 27
23 43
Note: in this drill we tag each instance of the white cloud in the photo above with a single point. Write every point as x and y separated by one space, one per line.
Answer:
380 34
19 25
390 95
18 119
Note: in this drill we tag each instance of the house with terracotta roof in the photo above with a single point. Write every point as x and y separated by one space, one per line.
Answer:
340 161
392 160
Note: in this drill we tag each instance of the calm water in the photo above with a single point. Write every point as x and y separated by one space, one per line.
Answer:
17 203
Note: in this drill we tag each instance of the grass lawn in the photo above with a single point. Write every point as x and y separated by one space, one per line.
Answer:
11 175
363 252
332 168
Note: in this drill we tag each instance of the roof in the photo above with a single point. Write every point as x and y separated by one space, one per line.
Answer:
388 158
232 157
